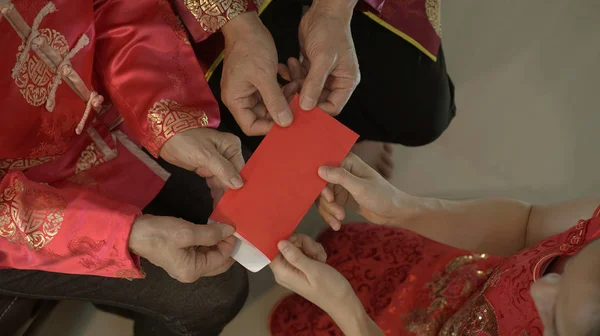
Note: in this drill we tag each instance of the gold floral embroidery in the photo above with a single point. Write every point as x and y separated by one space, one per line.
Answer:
36 76
213 14
90 157
434 9
476 317
30 216
22 164
458 281
168 117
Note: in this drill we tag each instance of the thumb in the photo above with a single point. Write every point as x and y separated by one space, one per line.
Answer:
294 256
275 102
315 81
339 175
224 171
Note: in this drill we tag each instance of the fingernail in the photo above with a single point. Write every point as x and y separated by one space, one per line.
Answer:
227 230
323 172
307 103
282 245
237 182
285 118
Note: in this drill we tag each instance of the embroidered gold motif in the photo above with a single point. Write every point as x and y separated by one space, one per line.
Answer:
22 164
458 281
30 216
213 14
434 13
35 77
90 157
167 117
476 317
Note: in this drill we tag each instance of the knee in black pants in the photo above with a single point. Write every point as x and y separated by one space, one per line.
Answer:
201 308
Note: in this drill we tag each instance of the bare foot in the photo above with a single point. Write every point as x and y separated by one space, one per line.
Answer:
378 155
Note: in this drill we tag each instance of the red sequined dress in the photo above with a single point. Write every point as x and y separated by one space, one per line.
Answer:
411 285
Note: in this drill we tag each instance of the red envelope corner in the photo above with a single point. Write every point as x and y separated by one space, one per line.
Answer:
281 180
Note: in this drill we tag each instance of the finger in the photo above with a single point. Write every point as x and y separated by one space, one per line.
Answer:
203 235
335 224
315 81
327 194
336 100
275 102
309 246
284 72
216 259
250 124
336 210
297 73
294 256
224 170
231 148
341 176
290 90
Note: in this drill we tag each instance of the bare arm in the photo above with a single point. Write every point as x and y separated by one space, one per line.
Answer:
499 227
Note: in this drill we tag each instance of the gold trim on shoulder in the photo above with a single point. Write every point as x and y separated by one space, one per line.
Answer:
29 215
433 8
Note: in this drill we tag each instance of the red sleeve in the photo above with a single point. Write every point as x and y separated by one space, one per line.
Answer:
209 16
64 230
150 71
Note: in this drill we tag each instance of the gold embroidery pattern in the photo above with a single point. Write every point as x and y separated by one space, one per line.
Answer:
458 281
90 157
30 216
433 9
22 164
213 14
167 118
476 317
35 77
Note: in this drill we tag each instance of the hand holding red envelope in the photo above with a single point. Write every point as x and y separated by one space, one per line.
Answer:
281 181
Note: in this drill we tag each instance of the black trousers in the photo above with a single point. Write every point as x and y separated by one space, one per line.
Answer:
404 98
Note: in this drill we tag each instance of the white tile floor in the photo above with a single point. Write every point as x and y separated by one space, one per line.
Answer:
527 76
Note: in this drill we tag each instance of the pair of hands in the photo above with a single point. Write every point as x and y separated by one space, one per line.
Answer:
328 76
249 83
301 265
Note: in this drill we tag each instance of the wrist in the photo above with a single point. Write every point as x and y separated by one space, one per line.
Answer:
353 319
140 235
407 208
343 8
240 25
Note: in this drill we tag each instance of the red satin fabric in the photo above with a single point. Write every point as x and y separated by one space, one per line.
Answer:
67 201
411 285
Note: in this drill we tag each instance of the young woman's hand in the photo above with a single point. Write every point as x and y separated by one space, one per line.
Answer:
361 188
301 268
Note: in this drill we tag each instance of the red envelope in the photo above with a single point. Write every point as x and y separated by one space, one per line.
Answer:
281 180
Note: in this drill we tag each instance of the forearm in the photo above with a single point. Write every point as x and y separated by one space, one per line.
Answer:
492 226
548 220
354 321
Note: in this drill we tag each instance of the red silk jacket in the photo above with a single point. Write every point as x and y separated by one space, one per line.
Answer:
71 179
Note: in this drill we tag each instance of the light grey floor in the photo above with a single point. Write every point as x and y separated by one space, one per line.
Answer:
527 76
